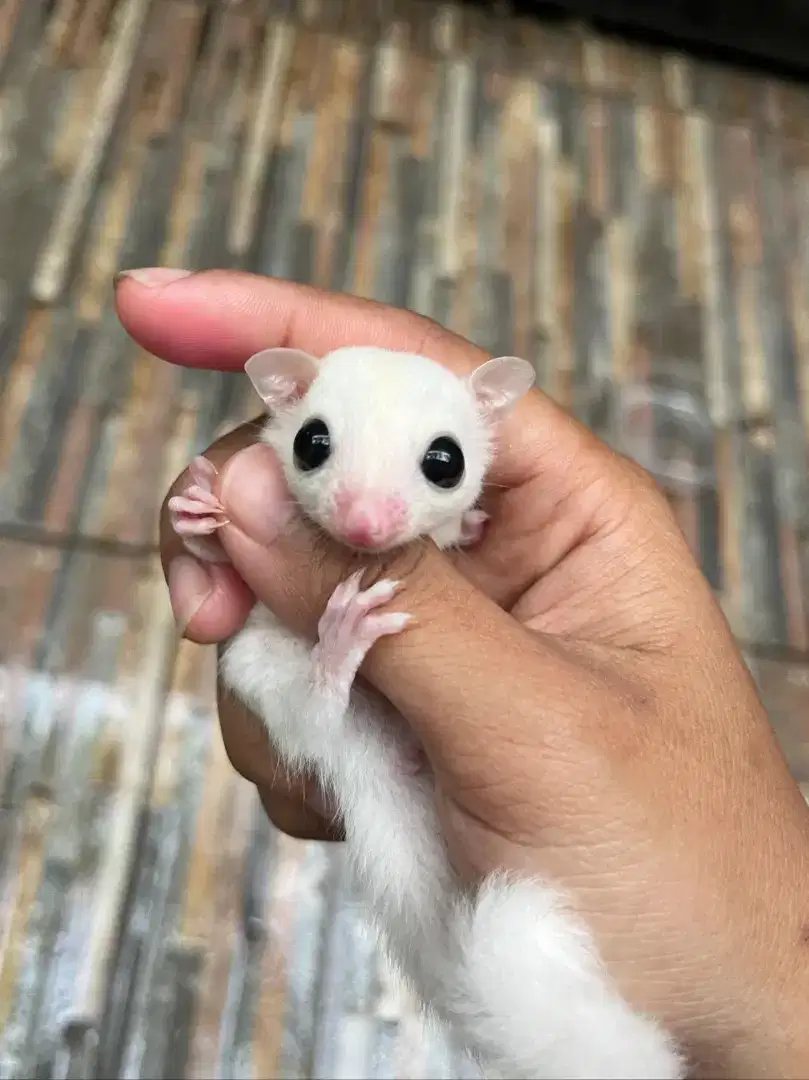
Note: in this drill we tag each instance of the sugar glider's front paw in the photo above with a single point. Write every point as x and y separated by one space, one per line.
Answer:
196 514
473 524
348 629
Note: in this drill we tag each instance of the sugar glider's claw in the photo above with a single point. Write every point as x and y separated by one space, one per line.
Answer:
345 593
196 514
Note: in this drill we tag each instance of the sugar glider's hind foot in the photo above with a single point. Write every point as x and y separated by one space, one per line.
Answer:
536 1001
348 628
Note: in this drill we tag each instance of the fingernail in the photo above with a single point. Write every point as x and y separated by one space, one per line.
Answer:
189 587
153 276
255 494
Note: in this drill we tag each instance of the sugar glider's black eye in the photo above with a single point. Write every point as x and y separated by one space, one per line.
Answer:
443 464
312 445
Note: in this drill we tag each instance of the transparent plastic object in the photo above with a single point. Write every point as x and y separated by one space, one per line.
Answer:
668 431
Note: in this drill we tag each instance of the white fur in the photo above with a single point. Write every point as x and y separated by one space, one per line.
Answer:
378 443
534 998
510 969
391 829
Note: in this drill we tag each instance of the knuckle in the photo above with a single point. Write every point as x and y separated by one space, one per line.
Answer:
329 564
645 489
400 566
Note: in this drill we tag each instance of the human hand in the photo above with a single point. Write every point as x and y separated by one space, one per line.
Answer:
584 708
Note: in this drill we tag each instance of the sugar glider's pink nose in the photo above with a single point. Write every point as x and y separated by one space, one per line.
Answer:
369 520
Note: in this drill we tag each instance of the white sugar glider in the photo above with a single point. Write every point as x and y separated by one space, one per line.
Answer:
380 448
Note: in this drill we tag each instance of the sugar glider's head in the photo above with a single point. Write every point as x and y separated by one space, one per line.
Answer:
382 447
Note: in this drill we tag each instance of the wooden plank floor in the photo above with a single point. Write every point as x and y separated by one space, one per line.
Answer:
634 223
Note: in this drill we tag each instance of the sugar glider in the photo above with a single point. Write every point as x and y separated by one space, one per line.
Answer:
380 448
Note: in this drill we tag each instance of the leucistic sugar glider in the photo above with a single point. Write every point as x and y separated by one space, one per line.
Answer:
380 448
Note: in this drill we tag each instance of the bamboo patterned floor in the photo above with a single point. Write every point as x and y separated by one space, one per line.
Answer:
635 223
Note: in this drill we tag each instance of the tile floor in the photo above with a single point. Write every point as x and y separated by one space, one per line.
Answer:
635 223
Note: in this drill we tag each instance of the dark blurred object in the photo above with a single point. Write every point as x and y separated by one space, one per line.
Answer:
773 34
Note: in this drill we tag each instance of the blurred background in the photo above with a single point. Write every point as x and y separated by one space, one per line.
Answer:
634 222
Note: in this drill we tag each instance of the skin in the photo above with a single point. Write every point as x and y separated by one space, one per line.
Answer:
577 689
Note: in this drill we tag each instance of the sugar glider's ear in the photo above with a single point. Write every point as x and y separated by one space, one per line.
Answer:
281 376
499 384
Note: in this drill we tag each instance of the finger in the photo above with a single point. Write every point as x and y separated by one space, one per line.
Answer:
220 318
440 673
294 804
210 600
212 611
571 486
519 549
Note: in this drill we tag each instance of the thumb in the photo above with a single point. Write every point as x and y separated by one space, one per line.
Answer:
449 673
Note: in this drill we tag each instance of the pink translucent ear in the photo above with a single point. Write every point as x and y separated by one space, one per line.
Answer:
500 383
281 376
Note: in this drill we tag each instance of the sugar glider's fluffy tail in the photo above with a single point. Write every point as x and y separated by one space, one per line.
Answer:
535 999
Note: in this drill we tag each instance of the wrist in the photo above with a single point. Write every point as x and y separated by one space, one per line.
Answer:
768 1030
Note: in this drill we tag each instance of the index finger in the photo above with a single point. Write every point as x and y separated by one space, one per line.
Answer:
552 485
219 318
